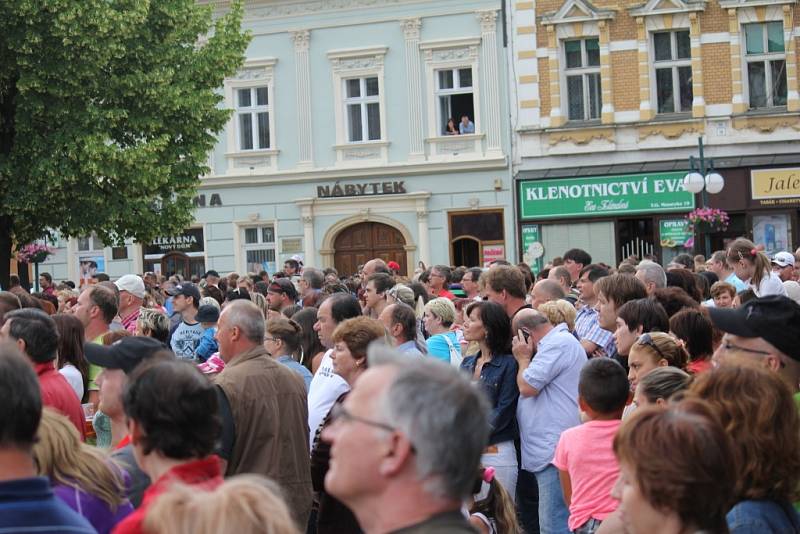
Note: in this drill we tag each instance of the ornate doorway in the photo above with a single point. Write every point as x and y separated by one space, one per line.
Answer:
359 243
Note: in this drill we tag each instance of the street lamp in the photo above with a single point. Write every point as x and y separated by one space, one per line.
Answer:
703 179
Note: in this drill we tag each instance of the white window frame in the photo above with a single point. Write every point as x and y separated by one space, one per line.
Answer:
255 73
363 100
674 64
253 110
451 54
767 58
347 64
242 247
93 242
457 89
582 71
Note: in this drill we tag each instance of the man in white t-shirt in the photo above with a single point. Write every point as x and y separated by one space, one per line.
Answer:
326 386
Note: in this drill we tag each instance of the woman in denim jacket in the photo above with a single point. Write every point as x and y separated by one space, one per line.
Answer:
757 410
496 369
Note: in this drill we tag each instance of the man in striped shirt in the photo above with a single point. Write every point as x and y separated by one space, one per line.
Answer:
594 340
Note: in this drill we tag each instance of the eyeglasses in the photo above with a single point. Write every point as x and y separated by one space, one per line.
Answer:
647 339
271 339
731 347
340 413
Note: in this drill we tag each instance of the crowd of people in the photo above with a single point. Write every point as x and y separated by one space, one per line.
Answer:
585 398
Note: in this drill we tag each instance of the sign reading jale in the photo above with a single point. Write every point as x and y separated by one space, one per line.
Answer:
775 183
607 195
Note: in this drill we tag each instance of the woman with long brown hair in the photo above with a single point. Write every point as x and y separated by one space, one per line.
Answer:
754 268
71 361
757 411
80 474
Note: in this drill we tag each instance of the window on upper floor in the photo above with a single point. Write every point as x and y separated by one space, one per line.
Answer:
252 118
362 109
672 62
90 243
582 73
258 248
765 56
455 100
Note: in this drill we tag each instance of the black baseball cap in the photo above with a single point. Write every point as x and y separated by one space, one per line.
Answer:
207 313
774 318
125 354
186 289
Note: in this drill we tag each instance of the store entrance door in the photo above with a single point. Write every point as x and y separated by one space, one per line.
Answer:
182 264
359 243
635 237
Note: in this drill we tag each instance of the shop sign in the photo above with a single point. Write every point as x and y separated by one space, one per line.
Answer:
532 249
362 189
291 245
200 201
604 196
190 240
774 187
493 253
674 232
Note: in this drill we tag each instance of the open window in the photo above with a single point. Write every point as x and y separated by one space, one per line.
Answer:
455 98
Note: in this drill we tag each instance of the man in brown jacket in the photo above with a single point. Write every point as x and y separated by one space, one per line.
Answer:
263 408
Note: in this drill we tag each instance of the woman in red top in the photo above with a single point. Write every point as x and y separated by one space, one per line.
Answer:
173 425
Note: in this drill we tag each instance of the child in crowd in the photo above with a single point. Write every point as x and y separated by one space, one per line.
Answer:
584 455
723 294
207 316
495 513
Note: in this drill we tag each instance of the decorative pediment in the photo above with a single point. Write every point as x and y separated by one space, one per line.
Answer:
667 7
732 4
577 11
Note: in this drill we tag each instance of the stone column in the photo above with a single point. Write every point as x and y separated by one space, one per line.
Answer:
422 232
793 93
645 107
306 206
411 32
739 105
491 78
698 98
607 111
303 74
557 118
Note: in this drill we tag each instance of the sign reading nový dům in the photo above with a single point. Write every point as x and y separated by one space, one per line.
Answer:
603 196
190 240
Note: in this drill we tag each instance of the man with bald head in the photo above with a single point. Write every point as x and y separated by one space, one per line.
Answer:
545 291
263 409
373 266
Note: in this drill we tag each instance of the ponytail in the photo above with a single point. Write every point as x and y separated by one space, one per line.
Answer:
498 504
744 249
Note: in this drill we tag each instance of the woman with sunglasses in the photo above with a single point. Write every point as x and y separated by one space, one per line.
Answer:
653 350
351 339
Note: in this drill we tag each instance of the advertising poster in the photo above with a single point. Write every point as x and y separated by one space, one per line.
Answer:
532 249
89 266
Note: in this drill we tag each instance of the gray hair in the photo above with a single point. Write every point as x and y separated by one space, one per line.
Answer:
314 277
442 414
246 315
653 273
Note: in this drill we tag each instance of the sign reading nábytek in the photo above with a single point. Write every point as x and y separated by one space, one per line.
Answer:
602 196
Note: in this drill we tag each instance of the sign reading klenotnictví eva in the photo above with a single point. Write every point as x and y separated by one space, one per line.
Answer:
606 195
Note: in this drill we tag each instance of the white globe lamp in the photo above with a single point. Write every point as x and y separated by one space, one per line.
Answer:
694 182
714 183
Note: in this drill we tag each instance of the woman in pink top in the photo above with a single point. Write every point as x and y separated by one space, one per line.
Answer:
584 455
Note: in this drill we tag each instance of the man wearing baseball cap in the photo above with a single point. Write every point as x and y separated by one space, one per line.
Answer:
185 336
783 265
117 362
281 294
131 295
765 331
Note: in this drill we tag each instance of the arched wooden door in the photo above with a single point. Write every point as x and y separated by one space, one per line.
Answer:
357 244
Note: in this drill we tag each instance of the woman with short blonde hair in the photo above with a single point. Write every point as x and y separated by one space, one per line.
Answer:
245 504
80 474
559 311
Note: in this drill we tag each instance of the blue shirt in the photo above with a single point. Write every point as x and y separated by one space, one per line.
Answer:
737 282
298 368
759 516
410 348
29 505
208 345
438 347
499 381
554 373
468 129
587 326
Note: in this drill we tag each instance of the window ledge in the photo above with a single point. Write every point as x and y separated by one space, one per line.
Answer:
579 125
672 117
360 144
460 137
253 153
765 112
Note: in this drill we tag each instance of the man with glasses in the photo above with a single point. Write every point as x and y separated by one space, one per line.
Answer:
406 444
440 277
766 331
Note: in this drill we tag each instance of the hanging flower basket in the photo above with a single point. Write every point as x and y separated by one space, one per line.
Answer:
34 253
708 220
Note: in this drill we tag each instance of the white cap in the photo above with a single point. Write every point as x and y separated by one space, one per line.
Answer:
131 283
783 259
792 290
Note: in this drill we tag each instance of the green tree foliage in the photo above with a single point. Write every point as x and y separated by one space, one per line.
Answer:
108 109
